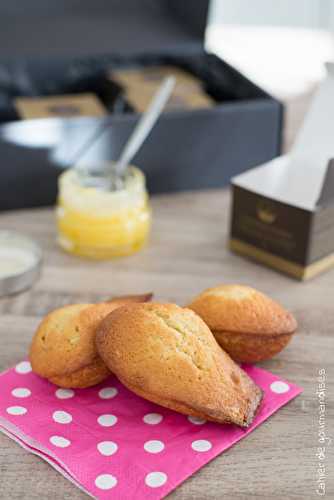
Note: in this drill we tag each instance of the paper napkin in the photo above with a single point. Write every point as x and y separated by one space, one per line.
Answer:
113 444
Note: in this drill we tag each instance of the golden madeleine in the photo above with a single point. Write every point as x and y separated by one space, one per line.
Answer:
63 349
247 324
167 354
125 299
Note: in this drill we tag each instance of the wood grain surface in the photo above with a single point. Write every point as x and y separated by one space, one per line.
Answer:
187 253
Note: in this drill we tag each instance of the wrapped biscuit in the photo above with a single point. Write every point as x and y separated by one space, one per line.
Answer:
167 354
63 348
247 324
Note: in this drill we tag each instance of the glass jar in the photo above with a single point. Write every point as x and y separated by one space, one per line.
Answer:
101 223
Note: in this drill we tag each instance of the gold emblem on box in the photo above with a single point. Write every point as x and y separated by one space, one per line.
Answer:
266 212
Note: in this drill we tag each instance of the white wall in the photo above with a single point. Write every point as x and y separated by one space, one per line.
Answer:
302 13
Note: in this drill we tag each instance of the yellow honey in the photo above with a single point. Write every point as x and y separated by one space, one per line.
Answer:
102 224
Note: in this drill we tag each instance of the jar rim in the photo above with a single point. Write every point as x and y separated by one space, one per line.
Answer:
101 176
86 198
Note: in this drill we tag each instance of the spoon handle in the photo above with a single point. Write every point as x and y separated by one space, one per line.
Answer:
145 124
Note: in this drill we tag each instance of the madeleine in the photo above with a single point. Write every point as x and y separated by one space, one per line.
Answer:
167 354
63 348
247 324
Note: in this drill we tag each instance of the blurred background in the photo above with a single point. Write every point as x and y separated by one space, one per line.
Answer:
282 46
268 54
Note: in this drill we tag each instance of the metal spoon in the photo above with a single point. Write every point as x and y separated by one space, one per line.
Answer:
144 126
113 179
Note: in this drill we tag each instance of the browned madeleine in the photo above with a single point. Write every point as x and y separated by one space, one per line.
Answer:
167 354
247 324
63 348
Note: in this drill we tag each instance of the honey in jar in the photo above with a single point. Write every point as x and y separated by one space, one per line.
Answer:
101 223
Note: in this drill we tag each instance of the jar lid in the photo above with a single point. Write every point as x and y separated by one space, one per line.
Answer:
20 262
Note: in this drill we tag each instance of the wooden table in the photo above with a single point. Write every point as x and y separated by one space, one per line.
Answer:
187 253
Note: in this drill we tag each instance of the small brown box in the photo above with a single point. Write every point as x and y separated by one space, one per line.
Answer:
85 104
141 84
283 211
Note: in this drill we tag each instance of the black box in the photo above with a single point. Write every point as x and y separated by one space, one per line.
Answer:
187 149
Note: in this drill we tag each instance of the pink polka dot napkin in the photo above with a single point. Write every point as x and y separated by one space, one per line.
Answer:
113 444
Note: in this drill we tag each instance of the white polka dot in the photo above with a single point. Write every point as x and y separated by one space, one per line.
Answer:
23 367
107 448
62 417
21 392
155 479
107 420
196 420
105 481
154 446
152 418
60 441
201 445
64 393
16 410
279 387
108 392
